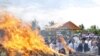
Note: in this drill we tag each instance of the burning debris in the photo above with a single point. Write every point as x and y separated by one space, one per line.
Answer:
19 39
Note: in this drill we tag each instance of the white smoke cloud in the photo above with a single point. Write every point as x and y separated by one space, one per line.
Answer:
79 15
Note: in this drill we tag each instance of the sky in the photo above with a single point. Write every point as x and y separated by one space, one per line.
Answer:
85 12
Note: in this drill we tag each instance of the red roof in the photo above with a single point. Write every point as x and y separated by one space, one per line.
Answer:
71 26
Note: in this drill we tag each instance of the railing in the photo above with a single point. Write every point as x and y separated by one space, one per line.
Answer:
83 54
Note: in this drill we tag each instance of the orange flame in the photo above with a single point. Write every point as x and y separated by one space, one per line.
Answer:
20 37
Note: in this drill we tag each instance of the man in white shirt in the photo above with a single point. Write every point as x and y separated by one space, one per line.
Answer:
88 41
59 46
77 40
94 48
73 44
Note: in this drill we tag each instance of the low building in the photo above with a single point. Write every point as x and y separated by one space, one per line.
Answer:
66 29
69 28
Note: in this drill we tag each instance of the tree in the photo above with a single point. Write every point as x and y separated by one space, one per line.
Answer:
98 32
81 27
35 24
94 29
51 23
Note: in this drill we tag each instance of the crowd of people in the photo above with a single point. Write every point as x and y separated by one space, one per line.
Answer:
76 44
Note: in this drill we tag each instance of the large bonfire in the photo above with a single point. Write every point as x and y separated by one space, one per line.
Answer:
20 39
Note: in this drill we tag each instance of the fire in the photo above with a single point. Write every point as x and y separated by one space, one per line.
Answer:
20 38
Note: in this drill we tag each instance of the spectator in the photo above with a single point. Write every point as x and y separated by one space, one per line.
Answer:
98 44
63 47
53 45
77 40
60 46
83 47
94 48
73 44
90 43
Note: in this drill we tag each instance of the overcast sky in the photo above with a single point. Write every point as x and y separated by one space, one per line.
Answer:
85 12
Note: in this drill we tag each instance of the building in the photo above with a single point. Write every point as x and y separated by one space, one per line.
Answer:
66 29
69 28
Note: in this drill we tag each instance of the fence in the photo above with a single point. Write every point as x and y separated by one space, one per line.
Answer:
83 54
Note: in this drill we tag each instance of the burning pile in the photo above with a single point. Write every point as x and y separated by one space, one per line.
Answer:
20 39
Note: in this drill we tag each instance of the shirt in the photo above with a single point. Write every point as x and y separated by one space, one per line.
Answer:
73 45
59 46
94 49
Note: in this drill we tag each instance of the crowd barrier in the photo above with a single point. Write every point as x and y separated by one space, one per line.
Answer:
84 54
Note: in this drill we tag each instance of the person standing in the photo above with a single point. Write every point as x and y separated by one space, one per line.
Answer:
83 47
98 45
59 46
94 48
73 45
63 47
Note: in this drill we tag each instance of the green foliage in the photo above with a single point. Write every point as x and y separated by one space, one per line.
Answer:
94 29
81 27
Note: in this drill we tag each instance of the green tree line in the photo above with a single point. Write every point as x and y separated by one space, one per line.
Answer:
92 29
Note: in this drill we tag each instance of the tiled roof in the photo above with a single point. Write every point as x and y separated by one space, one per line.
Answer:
71 26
